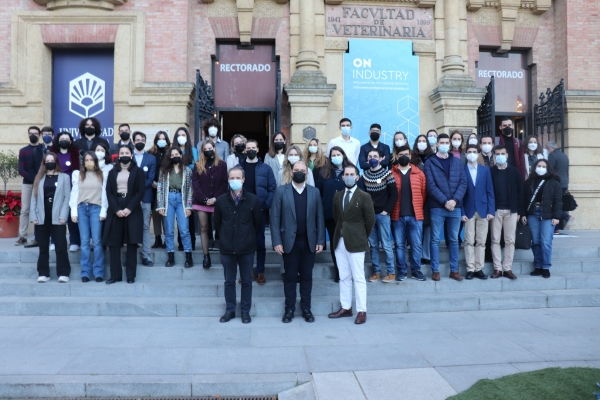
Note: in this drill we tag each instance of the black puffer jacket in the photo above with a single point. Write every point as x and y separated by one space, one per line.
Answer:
551 197
237 226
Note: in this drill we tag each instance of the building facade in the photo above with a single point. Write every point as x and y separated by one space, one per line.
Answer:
302 65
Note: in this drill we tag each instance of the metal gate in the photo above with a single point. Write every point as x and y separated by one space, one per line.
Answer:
486 113
204 104
549 116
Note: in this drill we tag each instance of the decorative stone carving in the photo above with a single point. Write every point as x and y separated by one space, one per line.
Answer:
268 9
527 20
486 17
309 133
222 9
99 4
245 9
419 3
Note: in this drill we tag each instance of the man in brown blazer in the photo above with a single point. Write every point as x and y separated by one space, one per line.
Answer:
354 216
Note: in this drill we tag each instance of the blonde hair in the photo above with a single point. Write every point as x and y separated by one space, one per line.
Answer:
320 159
286 174
232 146
201 163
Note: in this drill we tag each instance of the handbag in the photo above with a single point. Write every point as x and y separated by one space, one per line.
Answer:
523 237
569 203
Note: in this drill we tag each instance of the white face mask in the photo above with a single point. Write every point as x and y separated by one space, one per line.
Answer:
456 144
473 141
472 157
162 143
313 149
486 148
181 140
400 142
422 146
541 171
212 131
293 159
532 146
100 155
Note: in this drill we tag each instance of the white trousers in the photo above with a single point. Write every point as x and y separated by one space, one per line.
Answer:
352 267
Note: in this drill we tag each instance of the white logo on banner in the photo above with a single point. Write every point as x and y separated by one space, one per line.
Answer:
86 95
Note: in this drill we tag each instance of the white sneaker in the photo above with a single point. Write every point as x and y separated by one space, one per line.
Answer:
43 279
62 279
73 247
52 247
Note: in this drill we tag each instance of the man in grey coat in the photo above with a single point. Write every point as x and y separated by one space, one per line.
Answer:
297 233
560 164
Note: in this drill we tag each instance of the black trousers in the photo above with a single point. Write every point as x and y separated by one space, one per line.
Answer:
230 265
119 229
300 260
59 233
330 226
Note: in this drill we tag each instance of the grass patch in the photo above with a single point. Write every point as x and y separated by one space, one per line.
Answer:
545 384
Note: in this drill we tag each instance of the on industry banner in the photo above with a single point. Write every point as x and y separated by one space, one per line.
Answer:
381 85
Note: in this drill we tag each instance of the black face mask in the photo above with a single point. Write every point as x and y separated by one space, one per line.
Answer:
299 177
508 131
240 147
209 154
140 146
125 135
175 160
90 131
375 136
278 145
34 138
64 144
403 161
125 160
50 166
251 154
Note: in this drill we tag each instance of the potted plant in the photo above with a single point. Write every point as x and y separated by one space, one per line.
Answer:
10 203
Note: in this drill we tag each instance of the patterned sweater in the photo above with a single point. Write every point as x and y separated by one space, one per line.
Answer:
162 191
381 186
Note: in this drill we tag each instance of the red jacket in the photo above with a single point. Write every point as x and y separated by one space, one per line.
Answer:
419 191
518 151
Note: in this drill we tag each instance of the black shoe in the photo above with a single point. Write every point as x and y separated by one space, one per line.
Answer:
85 279
180 248
98 279
206 263
124 263
469 275
111 281
157 242
164 245
287 317
480 275
308 316
189 263
147 262
546 273
425 261
171 260
246 318
536 272
228 316
131 280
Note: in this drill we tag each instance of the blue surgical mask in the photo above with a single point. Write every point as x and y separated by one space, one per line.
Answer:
47 139
346 130
373 162
500 159
432 140
161 143
337 160
235 184
444 148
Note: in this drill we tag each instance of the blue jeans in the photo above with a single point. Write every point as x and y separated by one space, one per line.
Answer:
411 229
175 209
542 234
452 218
382 231
90 226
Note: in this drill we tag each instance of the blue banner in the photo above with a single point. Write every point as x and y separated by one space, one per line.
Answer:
381 85
82 87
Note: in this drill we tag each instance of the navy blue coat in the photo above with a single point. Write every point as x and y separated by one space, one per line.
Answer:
441 189
328 188
479 197
148 165
265 183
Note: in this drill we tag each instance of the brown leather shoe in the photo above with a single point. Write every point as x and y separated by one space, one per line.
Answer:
361 318
435 276
510 275
341 313
260 279
496 274
21 241
456 276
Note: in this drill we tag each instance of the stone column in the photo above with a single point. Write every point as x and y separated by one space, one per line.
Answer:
307 56
453 62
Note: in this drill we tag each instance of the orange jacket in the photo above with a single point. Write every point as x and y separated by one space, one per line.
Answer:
419 191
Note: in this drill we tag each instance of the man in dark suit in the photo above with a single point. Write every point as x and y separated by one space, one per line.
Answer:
560 164
147 163
354 217
297 233
478 209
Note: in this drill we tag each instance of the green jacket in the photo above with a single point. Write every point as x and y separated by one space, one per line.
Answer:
356 222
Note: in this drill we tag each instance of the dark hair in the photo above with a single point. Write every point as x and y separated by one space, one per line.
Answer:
48 129
138 133
272 151
42 172
118 163
56 140
34 127
443 136
188 157
95 122
211 122
403 148
526 144
252 141
345 120
122 125
486 137
375 126
415 157
328 167
350 165
533 174
379 152
155 149
107 155
165 165
506 119
83 170
499 147
431 130
472 146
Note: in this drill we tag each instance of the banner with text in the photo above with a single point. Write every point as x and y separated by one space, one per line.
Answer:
381 85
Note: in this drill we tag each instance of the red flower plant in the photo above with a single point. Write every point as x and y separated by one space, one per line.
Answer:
10 205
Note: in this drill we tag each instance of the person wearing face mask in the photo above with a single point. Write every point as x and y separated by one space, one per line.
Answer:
276 156
237 152
69 160
209 181
456 148
432 136
407 215
90 131
125 188
421 150
125 139
211 129
47 138
259 180
89 206
298 234
559 162
514 146
293 155
531 154
49 212
472 139
374 143
487 157
508 195
350 145
446 187
103 154
314 156
379 184
189 157
161 144
479 207
400 140
30 160
238 219
543 195
354 215
147 163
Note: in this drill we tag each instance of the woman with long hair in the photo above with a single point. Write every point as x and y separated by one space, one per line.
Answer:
189 156
209 181
293 155
174 199
314 155
400 140
472 139
420 151
125 187
89 206
532 153
237 152
158 150
543 197
49 212
456 142
275 158
102 152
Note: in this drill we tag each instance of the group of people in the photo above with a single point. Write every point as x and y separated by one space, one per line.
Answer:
405 195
